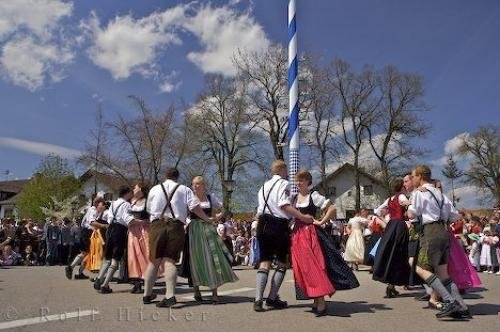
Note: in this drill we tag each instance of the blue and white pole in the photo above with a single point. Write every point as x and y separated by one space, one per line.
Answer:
293 92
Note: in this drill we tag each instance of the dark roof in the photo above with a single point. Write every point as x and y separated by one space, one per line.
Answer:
10 201
13 186
348 166
112 181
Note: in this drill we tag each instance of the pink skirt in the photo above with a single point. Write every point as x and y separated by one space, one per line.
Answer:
309 268
138 251
460 269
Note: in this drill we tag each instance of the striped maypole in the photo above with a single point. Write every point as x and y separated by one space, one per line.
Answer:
293 94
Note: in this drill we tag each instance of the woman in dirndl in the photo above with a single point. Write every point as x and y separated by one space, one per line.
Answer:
208 255
138 240
318 267
391 261
97 238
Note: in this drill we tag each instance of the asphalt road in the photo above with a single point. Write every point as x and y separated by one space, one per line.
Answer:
42 299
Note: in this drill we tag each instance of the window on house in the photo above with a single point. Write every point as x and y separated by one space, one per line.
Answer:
331 192
368 190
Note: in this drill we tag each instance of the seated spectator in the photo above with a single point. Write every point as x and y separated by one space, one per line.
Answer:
9 257
29 257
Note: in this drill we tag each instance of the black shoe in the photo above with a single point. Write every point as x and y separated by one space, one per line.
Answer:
69 272
148 299
390 292
423 298
462 314
92 279
137 289
321 313
97 284
81 276
106 290
276 303
166 303
258 306
448 309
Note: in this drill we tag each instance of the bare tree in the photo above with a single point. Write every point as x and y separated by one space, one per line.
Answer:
222 119
319 103
142 146
483 147
396 121
358 106
265 74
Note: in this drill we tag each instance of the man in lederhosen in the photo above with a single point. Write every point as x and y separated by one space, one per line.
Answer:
116 239
435 211
273 234
168 204
91 216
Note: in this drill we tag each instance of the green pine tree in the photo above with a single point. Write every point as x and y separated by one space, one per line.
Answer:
452 172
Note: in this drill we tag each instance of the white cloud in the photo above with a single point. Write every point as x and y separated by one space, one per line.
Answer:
39 148
33 49
39 17
452 146
29 63
167 87
469 197
128 45
221 32
168 83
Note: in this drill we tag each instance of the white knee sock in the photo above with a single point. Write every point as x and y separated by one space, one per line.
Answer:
78 260
103 269
170 279
149 279
111 272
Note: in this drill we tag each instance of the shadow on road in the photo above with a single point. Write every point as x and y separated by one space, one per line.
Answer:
222 301
346 309
484 309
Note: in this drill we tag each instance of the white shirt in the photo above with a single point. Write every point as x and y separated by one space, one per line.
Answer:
90 216
279 197
401 198
182 201
119 212
318 200
423 204
216 203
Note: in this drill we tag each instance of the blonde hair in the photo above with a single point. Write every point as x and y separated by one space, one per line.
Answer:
199 178
277 166
424 172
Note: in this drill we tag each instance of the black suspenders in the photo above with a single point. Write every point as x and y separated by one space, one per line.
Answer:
115 211
169 200
266 199
440 205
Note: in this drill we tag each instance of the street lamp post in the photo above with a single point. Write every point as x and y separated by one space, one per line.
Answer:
74 206
229 186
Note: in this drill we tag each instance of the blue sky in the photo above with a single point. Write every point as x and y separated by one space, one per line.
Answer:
59 59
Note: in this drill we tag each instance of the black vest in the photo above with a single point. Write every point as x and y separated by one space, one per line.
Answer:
208 210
